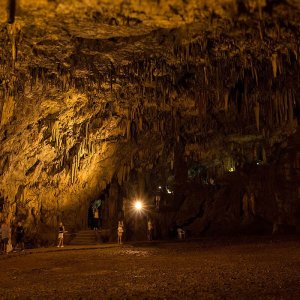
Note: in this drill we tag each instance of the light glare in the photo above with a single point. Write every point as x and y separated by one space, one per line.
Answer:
138 205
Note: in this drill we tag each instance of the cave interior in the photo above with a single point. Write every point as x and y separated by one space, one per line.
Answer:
190 106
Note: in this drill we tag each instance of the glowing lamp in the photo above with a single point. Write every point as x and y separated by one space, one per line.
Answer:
138 205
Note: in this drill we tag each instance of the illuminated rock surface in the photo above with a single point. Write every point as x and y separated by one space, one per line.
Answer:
113 99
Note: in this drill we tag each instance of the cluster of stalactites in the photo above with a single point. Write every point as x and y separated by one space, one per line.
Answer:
84 147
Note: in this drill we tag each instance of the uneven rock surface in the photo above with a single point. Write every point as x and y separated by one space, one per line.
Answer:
111 99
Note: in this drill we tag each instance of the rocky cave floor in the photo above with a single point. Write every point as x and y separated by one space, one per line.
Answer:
203 269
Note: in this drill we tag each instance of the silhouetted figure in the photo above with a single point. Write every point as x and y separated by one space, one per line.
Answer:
181 233
5 236
245 206
20 234
90 218
157 201
173 230
150 230
252 204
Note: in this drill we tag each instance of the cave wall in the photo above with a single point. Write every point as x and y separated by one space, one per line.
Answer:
93 92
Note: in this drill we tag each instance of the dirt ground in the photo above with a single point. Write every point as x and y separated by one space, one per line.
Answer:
204 269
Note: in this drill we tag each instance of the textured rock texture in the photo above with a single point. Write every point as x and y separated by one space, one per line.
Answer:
112 99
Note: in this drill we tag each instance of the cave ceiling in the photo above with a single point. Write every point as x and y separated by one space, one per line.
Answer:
91 89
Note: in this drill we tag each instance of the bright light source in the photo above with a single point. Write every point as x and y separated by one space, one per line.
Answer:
138 205
159 187
169 191
232 169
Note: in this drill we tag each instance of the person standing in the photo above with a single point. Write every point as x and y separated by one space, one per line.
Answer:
96 219
181 233
20 236
61 231
120 232
157 201
5 230
150 230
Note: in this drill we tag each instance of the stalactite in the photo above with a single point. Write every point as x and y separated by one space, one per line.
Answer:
226 101
140 124
128 169
92 148
55 137
254 152
7 110
12 30
285 103
280 109
264 155
256 112
274 64
276 108
131 161
205 75
120 175
291 109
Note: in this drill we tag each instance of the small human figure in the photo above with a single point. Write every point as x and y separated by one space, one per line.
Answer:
120 232
157 200
19 236
61 231
96 219
181 233
245 206
150 230
5 235
252 204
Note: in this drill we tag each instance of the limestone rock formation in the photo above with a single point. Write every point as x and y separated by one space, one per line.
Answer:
196 101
